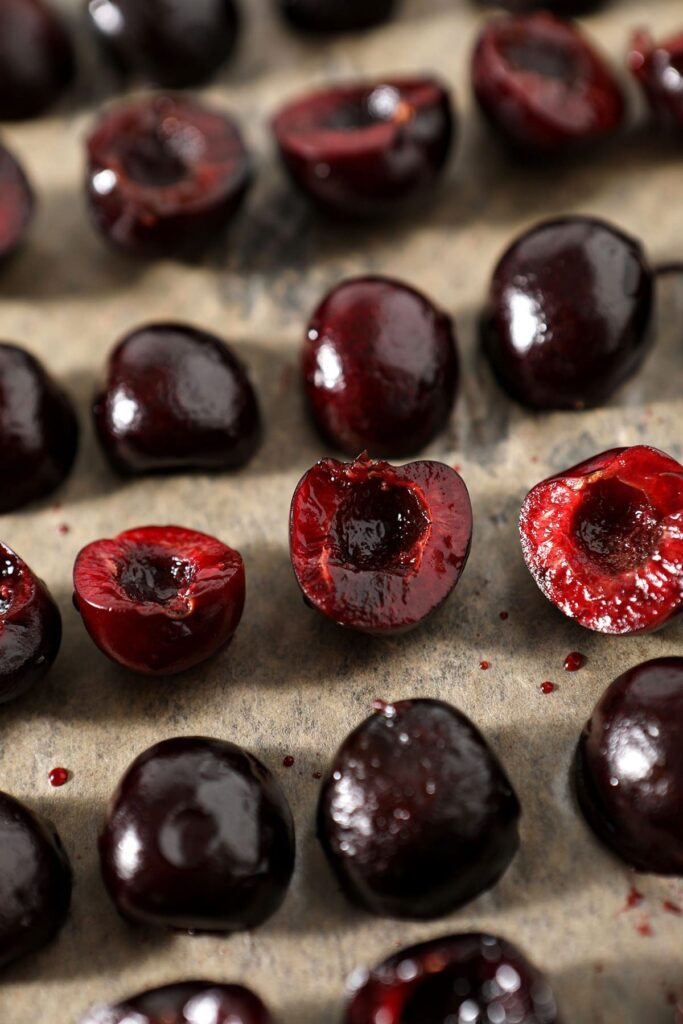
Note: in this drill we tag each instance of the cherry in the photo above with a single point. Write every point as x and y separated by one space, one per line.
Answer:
376 547
165 175
199 835
380 367
38 430
542 85
17 203
629 767
170 42
30 627
468 977
337 15
603 540
659 69
187 1002
366 149
36 58
159 599
35 881
176 398
569 314
416 814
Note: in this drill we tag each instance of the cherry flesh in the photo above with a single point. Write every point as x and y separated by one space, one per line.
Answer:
184 1003
376 547
658 67
199 836
603 540
337 15
159 599
36 58
365 150
17 203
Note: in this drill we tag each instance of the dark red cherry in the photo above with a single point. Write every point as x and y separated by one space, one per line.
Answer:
659 69
187 1002
30 627
176 398
38 430
337 15
17 203
376 547
457 979
165 175
170 42
629 767
543 86
36 58
35 881
366 149
159 599
200 836
380 367
569 314
416 814
603 540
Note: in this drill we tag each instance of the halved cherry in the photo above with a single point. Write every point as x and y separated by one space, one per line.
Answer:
376 547
603 540
17 203
365 149
159 599
186 1002
659 69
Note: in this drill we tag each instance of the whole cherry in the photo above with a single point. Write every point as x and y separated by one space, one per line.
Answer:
36 58
184 1003
17 203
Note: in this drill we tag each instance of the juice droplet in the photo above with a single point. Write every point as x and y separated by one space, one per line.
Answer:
58 777
63 528
547 687
672 908
317 775
484 665
504 616
645 929
288 762
634 898
574 661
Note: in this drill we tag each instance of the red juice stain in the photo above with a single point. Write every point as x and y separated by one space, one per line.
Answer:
484 665
317 775
457 467
288 762
547 687
634 899
63 528
58 777
574 661
645 929
672 908
504 616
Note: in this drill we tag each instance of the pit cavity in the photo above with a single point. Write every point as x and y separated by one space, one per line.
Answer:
378 524
616 526
151 575
548 58
153 160
9 581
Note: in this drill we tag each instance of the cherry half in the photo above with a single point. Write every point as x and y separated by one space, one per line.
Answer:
416 815
199 836
337 15
458 978
17 203
159 599
603 540
542 85
366 149
165 175
186 1002
376 547
569 313
629 767
658 67
380 367
36 58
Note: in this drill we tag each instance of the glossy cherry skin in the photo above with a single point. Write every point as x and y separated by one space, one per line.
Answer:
629 767
38 430
35 881
469 977
182 1003
380 368
199 836
176 398
17 203
603 540
416 815
36 58
337 15
379 548
159 599
569 313
367 149
165 175
658 67
542 85
169 42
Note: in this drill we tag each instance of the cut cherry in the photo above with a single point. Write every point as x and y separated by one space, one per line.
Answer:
337 15
17 203
187 1002
376 547
159 599
365 149
416 815
36 58
30 627
456 979
38 430
629 767
380 368
603 540
659 69
176 398
569 314
35 881
165 175
543 86
199 836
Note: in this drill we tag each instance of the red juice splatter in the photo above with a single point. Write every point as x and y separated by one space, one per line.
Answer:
288 762
317 775
547 687
58 777
672 908
574 661
63 528
645 929
484 665
504 616
634 899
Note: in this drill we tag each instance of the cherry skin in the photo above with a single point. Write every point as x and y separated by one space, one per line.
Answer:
378 548
337 15
176 398
542 85
159 599
36 58
416 815
165 175
17 203
380 368
35 881
182 1003
659 70
603 540
569 314
367 149
199 836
